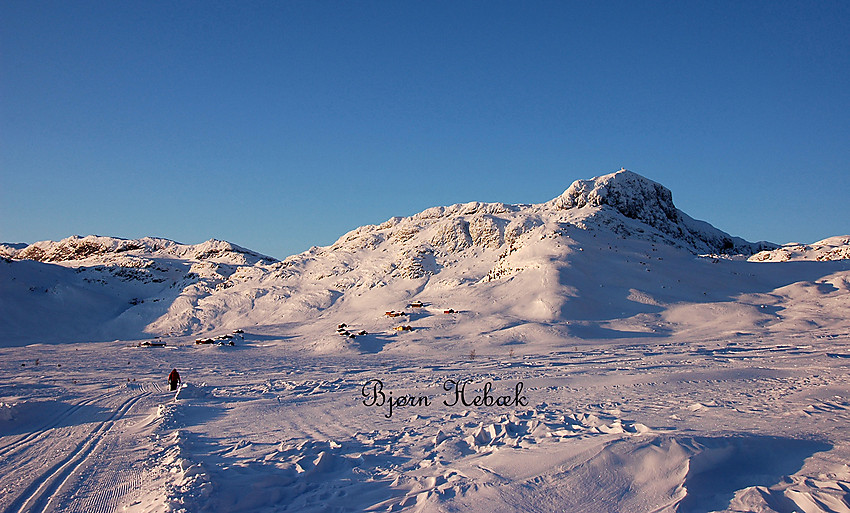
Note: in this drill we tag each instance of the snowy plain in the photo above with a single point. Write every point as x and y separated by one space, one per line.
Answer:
614 355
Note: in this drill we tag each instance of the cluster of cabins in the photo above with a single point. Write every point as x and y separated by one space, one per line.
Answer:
342 330
157 342
414 305
221 340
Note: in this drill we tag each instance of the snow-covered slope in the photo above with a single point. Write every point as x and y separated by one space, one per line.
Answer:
610 257
95 288
598 352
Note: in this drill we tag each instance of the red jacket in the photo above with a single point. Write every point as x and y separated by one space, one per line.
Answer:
174 377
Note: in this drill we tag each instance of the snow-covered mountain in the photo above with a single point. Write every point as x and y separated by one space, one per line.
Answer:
601 351
78 248
832 248
610 257
94 288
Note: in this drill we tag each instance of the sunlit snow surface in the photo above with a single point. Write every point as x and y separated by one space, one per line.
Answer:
743 423
605 364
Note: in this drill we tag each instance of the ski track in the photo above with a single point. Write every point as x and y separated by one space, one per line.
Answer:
104 487
16 446
41 493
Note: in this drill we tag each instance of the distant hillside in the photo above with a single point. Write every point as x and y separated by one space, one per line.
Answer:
832 248
78 248
610 257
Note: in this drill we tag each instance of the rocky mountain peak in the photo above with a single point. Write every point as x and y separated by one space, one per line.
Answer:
636 197
631 194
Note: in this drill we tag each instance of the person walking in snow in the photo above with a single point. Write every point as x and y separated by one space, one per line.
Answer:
174 379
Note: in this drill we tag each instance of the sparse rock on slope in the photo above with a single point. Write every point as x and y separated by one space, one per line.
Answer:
613 248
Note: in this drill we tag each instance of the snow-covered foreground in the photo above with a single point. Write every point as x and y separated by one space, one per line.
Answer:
739 424
599 352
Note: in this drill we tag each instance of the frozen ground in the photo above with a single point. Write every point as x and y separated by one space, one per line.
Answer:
615 356
738 424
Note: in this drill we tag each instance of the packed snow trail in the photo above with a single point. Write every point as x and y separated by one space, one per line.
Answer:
82 439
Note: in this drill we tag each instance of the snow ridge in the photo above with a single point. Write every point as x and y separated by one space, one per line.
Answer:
832 248
77 248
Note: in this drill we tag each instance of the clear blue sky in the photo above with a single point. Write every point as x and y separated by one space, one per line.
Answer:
282 125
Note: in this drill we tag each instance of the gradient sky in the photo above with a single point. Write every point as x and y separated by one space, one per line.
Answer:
282 125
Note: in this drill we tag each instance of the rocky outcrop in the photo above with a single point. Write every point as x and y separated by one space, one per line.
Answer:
636 197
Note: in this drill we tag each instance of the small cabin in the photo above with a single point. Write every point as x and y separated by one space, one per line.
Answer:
416 304
449 311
